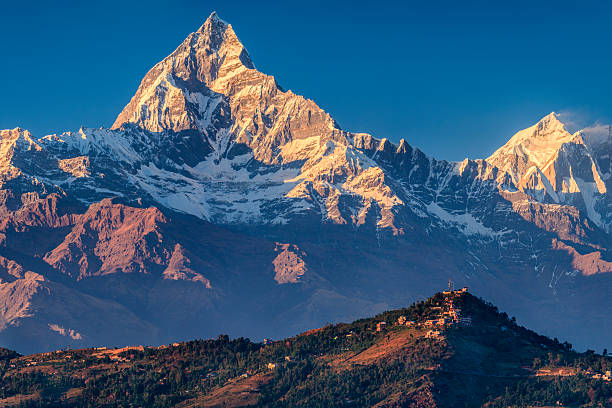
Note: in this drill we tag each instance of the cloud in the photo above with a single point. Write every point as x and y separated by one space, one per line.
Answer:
593 130
573 121
596 133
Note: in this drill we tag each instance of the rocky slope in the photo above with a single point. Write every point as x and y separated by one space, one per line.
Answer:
218 201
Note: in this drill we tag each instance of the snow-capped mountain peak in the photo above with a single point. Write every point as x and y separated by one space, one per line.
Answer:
218 36
183 91
208 142
532 146
213 20
552 165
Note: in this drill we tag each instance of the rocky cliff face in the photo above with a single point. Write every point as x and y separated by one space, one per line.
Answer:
220 202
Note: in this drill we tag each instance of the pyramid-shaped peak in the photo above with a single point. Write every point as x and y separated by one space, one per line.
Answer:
214 17
551 121
535 144
213 22
218 35
210 58
548 128
552 116
215 31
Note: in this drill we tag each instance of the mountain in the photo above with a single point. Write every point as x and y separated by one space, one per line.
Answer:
451 350
220 202
555 166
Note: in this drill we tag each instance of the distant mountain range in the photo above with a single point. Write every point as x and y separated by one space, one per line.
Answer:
219 202
452 350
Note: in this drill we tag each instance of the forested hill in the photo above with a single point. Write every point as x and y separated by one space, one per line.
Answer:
452 350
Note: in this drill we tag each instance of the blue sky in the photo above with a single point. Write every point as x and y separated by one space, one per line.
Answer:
455 79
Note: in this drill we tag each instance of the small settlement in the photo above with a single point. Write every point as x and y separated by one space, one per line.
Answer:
449 315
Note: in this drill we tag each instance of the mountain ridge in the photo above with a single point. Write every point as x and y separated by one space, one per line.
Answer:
250 196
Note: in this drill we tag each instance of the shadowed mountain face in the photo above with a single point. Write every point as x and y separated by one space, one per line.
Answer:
219 202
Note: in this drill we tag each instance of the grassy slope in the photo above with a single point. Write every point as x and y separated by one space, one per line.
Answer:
494 362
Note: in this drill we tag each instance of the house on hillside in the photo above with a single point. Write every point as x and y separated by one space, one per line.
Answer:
436 322
380 326
433 334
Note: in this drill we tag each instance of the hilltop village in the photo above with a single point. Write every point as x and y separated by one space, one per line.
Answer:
452 349
446 315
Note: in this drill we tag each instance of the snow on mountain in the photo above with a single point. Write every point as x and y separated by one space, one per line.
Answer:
533 146
214 182
209 135
554 166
